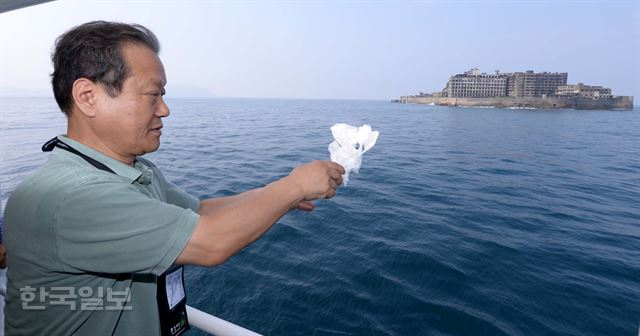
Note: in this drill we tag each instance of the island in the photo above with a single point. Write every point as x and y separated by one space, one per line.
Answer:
522 90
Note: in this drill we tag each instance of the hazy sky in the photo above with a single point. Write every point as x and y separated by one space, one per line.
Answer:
343 49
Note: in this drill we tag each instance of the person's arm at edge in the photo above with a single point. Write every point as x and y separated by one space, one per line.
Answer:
237 223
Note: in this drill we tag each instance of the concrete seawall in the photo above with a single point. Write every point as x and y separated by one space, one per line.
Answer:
618 102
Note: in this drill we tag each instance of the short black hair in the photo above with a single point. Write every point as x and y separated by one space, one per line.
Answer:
93 50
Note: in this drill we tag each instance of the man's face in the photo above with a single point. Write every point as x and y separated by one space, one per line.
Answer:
129 124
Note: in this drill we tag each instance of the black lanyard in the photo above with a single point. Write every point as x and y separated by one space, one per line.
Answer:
170 294
55 142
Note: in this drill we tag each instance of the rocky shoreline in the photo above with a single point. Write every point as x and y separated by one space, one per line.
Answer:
554 102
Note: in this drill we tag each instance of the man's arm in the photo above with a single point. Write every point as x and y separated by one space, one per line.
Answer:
212 205
240 220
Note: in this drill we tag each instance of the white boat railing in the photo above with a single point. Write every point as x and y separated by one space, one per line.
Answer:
197 318
215 326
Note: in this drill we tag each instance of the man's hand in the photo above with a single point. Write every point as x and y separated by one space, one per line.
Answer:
318 179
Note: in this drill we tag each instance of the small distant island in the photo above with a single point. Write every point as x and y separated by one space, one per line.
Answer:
526 90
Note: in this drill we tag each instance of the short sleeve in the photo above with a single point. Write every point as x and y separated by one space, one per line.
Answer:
113 227
173 193
181 198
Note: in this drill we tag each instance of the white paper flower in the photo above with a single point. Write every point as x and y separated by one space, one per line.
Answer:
349 145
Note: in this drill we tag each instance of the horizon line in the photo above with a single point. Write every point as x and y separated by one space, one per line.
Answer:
218 97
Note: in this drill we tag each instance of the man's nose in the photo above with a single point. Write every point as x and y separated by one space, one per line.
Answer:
163 109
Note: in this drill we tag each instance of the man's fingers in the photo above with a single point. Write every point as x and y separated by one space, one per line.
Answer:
334 174
331 193
338 179
336 171
334 184
337 167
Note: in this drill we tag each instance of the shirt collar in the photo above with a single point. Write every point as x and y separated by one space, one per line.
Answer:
138 172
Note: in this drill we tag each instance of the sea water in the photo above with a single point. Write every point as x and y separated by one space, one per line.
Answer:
462 221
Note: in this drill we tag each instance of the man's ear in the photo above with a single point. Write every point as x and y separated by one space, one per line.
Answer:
84 94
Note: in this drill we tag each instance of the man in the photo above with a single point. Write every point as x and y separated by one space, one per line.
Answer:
90 234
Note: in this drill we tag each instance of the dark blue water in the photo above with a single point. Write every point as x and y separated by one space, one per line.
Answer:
461 221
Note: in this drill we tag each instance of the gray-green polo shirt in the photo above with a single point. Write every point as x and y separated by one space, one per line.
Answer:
85 246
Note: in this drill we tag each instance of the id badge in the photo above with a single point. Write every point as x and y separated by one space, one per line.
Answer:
172 302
